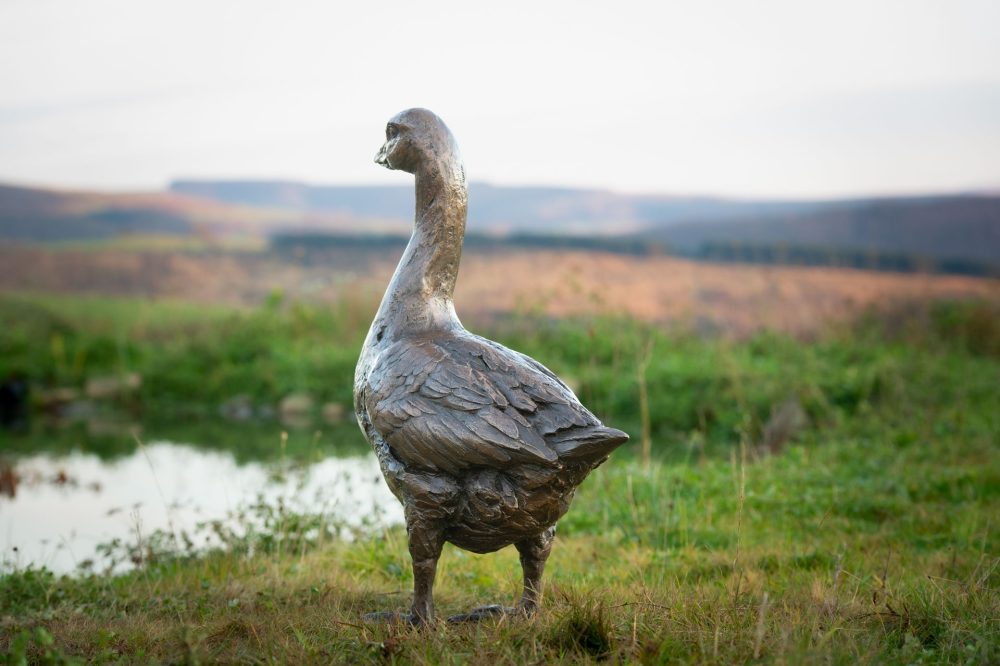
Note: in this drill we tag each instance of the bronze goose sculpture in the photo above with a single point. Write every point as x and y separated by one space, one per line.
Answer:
482 445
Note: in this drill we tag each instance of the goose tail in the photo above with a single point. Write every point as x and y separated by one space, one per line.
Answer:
591 444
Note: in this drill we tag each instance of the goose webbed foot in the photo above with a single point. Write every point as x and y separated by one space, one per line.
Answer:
487 612
393 618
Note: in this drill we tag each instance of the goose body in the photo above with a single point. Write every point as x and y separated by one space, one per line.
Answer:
482 445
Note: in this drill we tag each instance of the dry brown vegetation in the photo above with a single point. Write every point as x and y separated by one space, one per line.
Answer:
732 299
736 299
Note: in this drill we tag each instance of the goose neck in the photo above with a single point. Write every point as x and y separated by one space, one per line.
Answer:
421 293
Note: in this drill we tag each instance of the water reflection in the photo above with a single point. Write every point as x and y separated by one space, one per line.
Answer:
60 507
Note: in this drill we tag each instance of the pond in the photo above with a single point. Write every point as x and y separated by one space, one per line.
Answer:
65 490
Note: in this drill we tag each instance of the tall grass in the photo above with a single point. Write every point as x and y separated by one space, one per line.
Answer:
668 388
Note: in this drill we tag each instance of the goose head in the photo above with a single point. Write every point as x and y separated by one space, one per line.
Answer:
415 137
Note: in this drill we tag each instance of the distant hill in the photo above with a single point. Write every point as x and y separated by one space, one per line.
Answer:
894 231
493 209
955 233
38 215
936 227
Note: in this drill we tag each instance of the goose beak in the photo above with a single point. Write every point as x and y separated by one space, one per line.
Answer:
382 158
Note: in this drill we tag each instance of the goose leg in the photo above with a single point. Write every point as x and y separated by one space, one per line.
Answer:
425 549
425 539
533 551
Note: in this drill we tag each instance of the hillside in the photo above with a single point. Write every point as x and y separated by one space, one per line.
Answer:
955 233
941 227
492 208
962 227
39 215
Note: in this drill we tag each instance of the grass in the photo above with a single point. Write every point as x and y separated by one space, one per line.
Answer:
867 535
777 560
193 358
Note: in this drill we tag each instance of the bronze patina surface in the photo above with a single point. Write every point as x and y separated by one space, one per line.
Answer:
483 446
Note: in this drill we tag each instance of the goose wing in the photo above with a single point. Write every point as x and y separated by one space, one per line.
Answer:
551 407
465 401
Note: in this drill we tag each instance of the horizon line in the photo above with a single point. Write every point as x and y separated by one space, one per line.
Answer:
969 191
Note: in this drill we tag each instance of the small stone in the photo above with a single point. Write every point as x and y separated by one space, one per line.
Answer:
237 408
296 404
112 386
294 421
78 410
58 396
111 427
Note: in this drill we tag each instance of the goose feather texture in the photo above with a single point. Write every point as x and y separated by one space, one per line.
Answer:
457 402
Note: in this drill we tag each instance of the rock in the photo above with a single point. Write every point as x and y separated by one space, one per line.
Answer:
296 421
112 386
57 397
296 404
237 408
78 410
110 427
785 421
333 413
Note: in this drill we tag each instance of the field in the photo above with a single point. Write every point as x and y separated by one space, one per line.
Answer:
782 501
708 299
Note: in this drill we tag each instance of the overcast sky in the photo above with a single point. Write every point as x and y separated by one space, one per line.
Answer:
791 98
